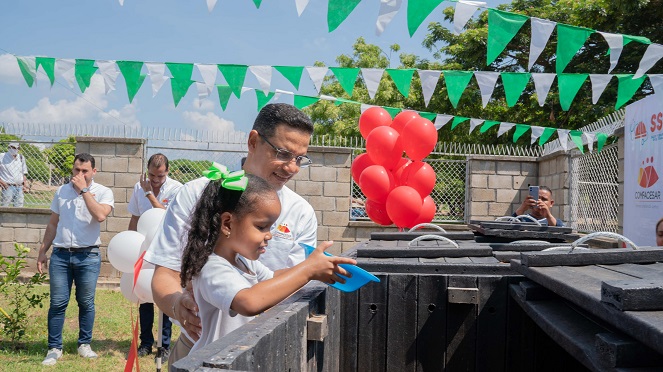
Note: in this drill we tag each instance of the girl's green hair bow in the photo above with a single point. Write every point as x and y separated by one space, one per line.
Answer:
230 180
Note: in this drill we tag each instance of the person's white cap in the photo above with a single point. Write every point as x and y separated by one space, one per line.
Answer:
14 144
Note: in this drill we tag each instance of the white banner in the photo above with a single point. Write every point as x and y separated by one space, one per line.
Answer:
643 167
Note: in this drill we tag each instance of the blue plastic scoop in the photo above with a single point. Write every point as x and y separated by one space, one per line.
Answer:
359 276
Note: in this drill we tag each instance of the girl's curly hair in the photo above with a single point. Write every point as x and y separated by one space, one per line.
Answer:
206 220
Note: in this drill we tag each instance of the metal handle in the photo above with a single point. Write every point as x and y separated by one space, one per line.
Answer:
431 225
518 219
432 237
585 238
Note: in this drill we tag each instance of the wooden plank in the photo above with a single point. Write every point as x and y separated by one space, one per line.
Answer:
616 350
424 251
349 320
431 322
372 334
520 333
390 236
642 271
547 235
462 295
295 337
633 294
434 266
525 227
591 257
461 329
491 323
484 260
332 342
402 322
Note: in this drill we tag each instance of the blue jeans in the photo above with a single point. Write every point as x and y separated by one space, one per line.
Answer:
146 318
81 268
12 195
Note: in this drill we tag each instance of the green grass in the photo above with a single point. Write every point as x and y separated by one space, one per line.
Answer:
111 338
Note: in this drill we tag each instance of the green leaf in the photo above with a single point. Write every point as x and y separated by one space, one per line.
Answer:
347 77
627 88
48 64
576 136
292 73
83 70
601 138
569 40
338 11
402 79
304 101
263 98
28 74
487 125
514 84
417 11
132 76
502 27
234 75
545 136
569 84
457 120
456 82
224 95
520 130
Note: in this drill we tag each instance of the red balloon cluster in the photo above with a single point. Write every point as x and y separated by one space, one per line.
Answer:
397 188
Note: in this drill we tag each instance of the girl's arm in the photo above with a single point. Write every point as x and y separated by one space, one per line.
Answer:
262 296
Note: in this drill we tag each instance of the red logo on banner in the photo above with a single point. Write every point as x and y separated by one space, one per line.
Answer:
647 176
640 130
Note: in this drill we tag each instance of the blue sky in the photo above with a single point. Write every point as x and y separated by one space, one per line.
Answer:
175 31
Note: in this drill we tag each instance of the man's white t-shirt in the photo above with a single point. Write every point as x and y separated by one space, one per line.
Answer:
215 288
296 224
12 168
140 204
76 227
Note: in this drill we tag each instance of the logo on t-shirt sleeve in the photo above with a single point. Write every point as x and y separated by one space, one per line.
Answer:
282 231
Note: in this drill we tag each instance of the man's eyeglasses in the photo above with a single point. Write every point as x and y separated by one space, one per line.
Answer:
286 156
12 147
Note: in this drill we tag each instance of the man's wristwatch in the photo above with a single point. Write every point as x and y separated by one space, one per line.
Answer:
147 193
84 190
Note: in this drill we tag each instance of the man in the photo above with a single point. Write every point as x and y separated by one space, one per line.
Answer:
155 190
540 209
13 180
78 209
277 148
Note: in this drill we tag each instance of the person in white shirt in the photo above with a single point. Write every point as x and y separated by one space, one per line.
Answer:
78 209
230 229
277 148
13 176
154 190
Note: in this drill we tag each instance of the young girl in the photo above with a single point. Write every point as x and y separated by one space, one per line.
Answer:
230 229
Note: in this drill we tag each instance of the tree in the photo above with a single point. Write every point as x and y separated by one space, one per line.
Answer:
61 156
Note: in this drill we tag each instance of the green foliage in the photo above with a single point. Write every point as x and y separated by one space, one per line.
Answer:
185 170
19 296
61 156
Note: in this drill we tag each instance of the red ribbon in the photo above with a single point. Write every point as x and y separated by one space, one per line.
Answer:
133 351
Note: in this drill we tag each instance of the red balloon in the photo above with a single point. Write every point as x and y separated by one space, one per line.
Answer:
420 176
384 146
404 206
377 212
360 163
398 170
372 118
376 182
427 211
419 138
402 119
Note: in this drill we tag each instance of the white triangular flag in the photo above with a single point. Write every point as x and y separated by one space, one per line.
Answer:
264 76
536 133
210 5
541 30
653 53
208 73
121 2
505 127
301 5
588 138
475 123
563 135
599 82
616 44
246 89
388 9
363 107
109 71
157 72
203 92
464 11
372 78
442 120
656 83
317 75
31 64
542 84
486 81
66 69
429 79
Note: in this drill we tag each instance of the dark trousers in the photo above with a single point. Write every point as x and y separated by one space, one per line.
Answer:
146 317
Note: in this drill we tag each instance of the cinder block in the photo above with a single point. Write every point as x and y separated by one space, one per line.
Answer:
342 204
363 233
336 189
482 167
345 246
319 174
106 179
38 220
341 234
120 210
529 169
563 163
337 160
521 182
6 234
508 167
478 209
127 180
24 235
507 196
318 216
129 149
120 194
323 233
100 149
478 195
308 188
620 171
136 165
116 224
343 175
500 181
336 249
304 173
478 181
331 218
499 209
113 164
13 220
322 203
82 147
544 168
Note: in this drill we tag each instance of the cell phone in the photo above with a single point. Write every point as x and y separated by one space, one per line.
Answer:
534 193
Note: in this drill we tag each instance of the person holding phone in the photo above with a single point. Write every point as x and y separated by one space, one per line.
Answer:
539 208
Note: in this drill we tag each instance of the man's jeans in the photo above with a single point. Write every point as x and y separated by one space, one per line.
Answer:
146 317
82 268
14 195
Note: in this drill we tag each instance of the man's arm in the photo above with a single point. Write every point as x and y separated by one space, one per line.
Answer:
133 223
97 210
177 304
49 236
147 187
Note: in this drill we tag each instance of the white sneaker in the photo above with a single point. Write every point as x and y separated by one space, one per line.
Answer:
86 352
52 357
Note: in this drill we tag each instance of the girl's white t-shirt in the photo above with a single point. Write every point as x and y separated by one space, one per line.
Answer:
215 288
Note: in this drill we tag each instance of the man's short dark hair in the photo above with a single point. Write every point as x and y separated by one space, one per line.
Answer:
157 160
84 157
546 188
275 114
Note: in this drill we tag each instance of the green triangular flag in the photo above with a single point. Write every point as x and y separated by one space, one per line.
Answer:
428 115
417 11
545 136
83 70
263 98
48 64
456 82
292 73
257 3
224 95
626 88
514 84
487 125
502 27
520 130
338 11
234 75
132 76
346 76
600 141
181 80
569 40
576 136
29 74
641 39
457 120
402 78
303 101
179 88
393 111
569 84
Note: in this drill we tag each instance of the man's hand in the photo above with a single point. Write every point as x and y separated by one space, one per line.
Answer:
186 312
527 204
42 262
145 183
79 182
3 185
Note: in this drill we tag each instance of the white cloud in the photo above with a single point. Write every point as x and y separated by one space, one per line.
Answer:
203 105
9 71
209 121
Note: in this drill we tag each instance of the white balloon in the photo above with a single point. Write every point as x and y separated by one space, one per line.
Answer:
124 250
143 287
149 222
144 246
126 287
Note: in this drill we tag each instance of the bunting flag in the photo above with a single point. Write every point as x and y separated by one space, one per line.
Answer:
292 73
520 130
599 82
569 85
301 5
388 9
338 11
28 66
429 79
487 125
508 25
317 75
210 5
109 72
465 9
65 68
225 92
627 88
208 73
545 136
541 30
372 77
83 71
457 120
475 123
157 73
486 81
456 82
504 127
576 137
234 75
132 76
563 135
346 76
542 84
304 101
181 80
514 84
402 79
656 83
442 120
652 55
417 11
569 41
264 76
48 65
263 98
616 45
588 139
601 138
536 134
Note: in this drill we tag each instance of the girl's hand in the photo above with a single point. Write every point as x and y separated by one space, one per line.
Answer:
325 268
